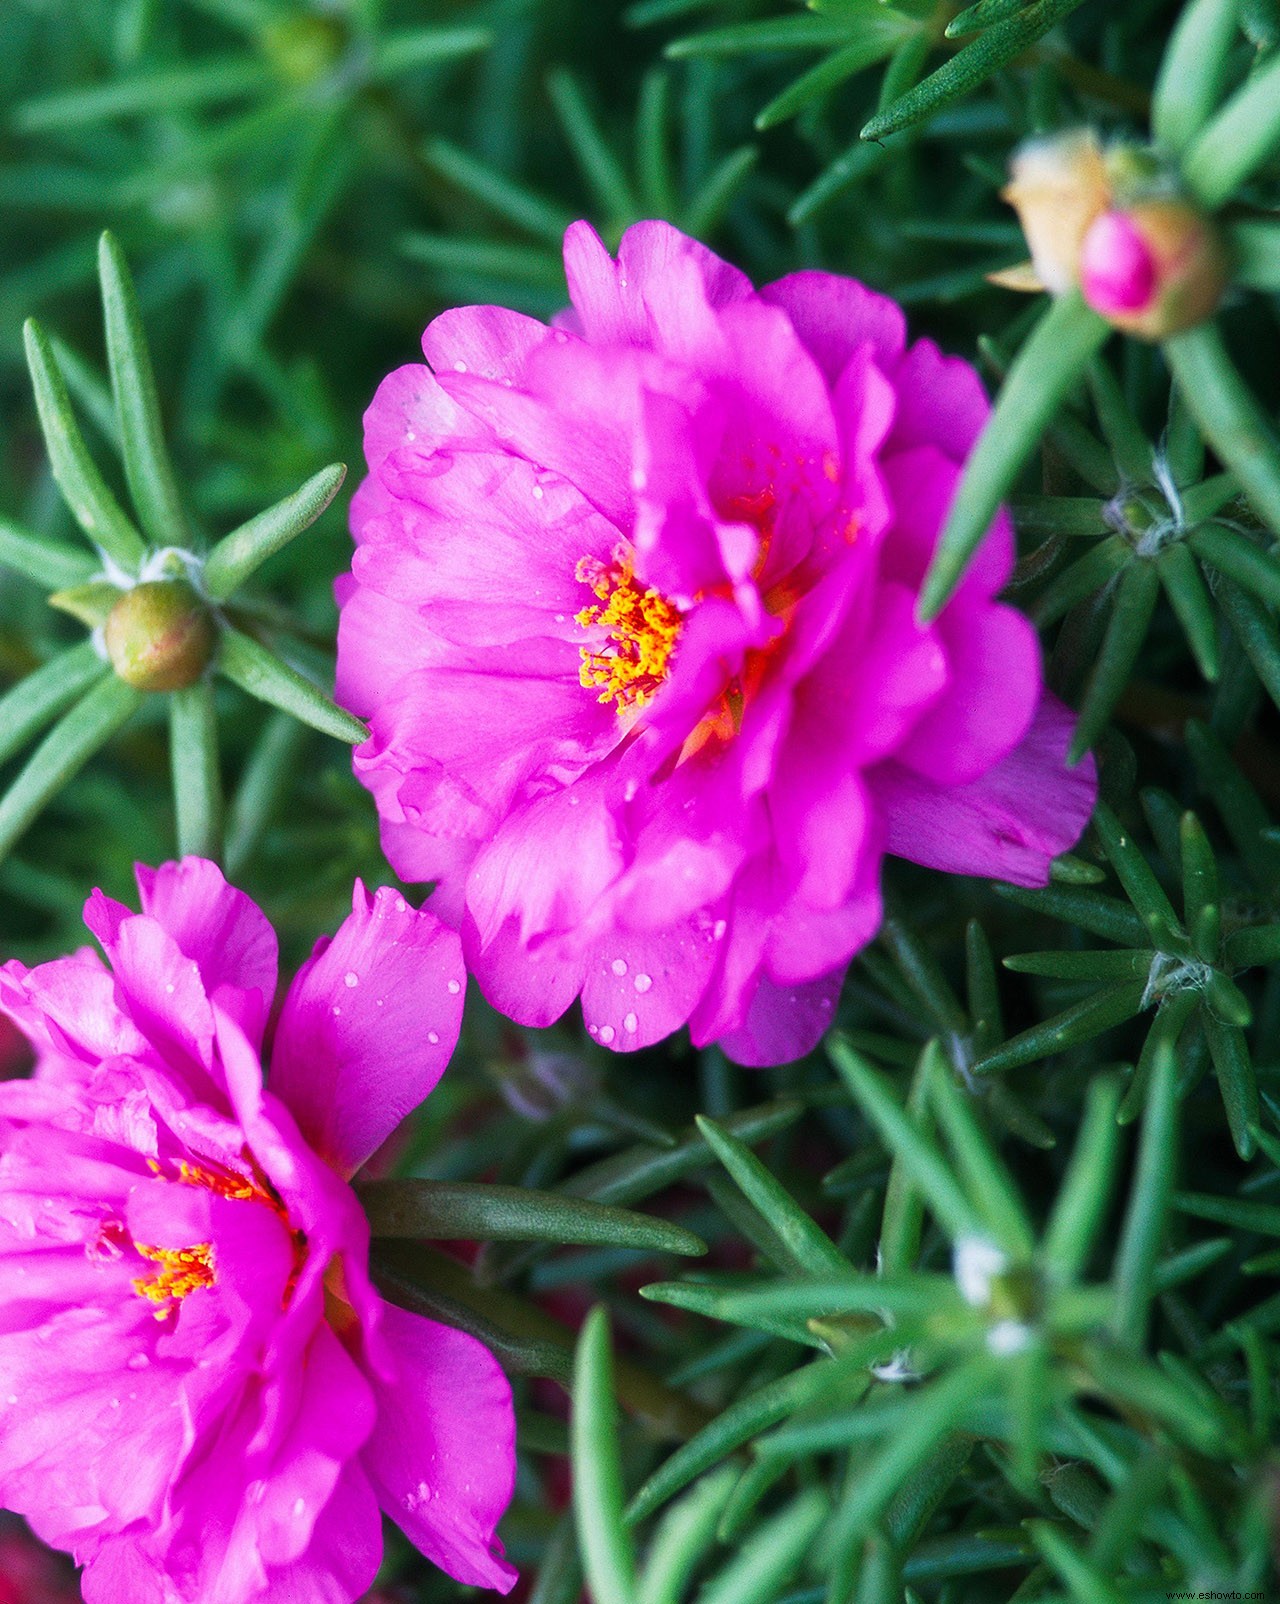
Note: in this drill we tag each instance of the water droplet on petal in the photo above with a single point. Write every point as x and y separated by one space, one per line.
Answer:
537 492
643 982
718 929
433 1037
459 367
336 1010
619 966
630 1024
299 1506
168 986
607 1033
454 988
351 978
138 1361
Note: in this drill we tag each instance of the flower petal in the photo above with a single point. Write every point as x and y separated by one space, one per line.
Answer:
1009 824
368 1026
442 1455
222 930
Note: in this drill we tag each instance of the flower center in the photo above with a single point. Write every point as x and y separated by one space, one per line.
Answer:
642 625
182 1270
185 1270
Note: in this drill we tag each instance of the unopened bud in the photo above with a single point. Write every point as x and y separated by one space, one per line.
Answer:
1153 269
160 636
1058 187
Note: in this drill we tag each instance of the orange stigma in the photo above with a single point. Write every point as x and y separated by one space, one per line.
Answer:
643 628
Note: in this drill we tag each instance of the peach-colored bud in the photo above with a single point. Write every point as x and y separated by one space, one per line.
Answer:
160 636
1153 269
1058 187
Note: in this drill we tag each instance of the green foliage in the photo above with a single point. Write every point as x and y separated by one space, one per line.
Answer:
985 1310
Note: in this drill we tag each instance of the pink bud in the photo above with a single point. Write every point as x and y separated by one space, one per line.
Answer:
1117 269
1153 269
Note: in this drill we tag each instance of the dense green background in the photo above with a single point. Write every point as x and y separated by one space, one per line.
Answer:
299 190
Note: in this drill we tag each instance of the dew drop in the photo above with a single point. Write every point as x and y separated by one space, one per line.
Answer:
168 986
630 1024
718 929
433 1038
643 982
454 988
607 1033
560 618
619 966
351 978
459 367
115 1403
137 1361
336 1010
299 1506
538 492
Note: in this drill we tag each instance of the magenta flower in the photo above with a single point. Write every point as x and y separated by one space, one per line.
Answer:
201 1395
632 617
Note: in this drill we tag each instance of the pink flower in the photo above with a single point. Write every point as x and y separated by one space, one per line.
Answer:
201 1395
632 617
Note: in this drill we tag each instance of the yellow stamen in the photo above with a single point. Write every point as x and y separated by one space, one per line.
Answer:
643 628
182 1270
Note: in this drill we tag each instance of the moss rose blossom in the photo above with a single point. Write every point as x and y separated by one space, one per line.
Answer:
202 1397
632 619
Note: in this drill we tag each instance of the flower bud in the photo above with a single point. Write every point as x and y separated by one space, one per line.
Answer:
1059 186
1153 269
160 636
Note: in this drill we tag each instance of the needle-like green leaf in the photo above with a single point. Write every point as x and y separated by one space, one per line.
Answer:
1234 424
1141 1236
248 664
197 777
471 1211
44 694
146 458
1042 374
47 562
1243 135
1193 71
604 1539
63 753
94 507
238 554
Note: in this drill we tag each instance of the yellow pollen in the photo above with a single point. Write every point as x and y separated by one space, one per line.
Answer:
643 628
182 1270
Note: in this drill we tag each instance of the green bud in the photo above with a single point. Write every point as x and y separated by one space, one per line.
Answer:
160 636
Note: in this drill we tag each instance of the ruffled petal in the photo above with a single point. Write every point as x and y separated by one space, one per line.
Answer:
834 316
1009 824
991 696
442 1456
368 1026
222 930
624 302
782 1023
